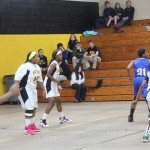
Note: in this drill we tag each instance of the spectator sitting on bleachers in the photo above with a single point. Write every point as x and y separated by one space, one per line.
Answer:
118 13
108 14
127 17
71 45
92 55
65 72
78 55
64 51
77 83
43 61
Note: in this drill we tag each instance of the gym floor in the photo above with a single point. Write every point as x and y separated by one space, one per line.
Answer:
95 126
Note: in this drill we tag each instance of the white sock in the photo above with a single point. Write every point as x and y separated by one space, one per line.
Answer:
147 129
44 116
61 114
32 120
27 122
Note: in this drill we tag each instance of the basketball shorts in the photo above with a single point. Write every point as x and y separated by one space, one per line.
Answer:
28 99
137 83
52 90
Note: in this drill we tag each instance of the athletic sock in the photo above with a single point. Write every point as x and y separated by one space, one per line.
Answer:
32 120
147 129
27 122
61 114
44 116
132 111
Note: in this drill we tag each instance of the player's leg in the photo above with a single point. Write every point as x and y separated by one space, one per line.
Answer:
26 104
146 134
136 85
62 117
49 107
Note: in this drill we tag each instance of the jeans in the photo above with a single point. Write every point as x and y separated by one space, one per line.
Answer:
80 91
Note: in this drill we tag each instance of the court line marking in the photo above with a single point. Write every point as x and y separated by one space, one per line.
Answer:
59 128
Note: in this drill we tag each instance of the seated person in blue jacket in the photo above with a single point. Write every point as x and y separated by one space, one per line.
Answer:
127 16
108 14
119 12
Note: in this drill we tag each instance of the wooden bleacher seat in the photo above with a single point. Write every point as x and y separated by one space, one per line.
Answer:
117 51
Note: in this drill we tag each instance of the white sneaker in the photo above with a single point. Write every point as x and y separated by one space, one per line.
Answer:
43 124
64 120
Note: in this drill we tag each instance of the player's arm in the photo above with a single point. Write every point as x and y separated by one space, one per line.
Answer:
140 90
129 68
49 73
149 61
14 90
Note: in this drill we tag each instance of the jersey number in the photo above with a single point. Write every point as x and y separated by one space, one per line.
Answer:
141 72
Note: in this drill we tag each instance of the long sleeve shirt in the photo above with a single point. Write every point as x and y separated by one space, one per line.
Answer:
75 81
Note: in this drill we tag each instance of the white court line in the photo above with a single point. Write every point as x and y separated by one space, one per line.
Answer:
59 128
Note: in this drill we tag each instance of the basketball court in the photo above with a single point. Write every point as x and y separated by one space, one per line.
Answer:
95 126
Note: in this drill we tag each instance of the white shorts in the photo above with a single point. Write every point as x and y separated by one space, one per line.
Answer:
52 91
148 98
28 99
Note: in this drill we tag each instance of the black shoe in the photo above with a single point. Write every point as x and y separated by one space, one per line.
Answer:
130 118
76 100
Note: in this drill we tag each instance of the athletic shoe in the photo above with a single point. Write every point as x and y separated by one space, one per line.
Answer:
43 124
76 100
130 118
28 130
35 128
64 120
145 137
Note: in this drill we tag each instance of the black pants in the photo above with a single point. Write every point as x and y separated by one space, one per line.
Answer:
80 91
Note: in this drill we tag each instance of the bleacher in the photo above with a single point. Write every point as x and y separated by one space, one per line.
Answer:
117 49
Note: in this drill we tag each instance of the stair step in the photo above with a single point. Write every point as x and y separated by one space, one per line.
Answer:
107 73
119 42
108 82
123 49
115 36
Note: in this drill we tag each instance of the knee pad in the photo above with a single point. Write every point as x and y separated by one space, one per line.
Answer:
29 113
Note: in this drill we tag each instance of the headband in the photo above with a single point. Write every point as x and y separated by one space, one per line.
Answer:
59 52
32 55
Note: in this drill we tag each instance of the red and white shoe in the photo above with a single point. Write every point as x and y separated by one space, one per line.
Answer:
35 128
28 130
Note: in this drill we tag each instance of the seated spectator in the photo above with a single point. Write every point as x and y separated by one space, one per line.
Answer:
118 13
71 45
78 55
43 61
127 16
92 55
65 72
108 14
77 83
64 51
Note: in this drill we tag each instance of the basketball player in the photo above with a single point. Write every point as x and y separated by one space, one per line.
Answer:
51 84
27 76
147 80
141 67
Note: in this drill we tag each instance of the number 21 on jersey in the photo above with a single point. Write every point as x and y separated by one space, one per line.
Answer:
141 72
